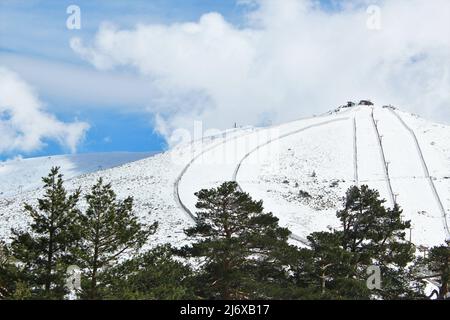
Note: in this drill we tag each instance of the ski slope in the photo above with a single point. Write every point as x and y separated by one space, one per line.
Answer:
384 155
300 170
410 178
371 159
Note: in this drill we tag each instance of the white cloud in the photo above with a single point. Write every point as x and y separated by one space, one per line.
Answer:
81 86
24 124
290 59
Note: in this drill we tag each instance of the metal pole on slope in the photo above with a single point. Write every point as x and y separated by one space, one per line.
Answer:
383 158
355 152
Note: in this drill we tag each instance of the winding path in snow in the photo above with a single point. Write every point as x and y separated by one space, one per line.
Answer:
300 239
176 187
238 167
186 168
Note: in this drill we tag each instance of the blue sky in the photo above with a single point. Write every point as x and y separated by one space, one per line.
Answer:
266 64
34 38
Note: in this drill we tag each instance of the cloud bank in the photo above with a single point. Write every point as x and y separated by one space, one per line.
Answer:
24 124
291 58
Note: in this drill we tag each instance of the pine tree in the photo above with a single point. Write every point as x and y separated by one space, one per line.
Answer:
7 283
376 236
438 261
331 267
240 247
153 275
368 227
110 230
44 252
370 235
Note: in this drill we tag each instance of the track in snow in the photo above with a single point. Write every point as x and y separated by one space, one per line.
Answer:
187 210
355 152
176 188
383 158
186 168
377 150
426 172
236 171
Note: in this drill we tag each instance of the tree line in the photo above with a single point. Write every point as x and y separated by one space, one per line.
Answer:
236 250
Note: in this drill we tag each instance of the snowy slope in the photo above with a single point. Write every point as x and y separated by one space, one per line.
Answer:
19 175
300 169
410 179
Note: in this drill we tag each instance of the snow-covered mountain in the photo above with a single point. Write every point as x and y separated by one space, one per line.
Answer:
300 169
19 175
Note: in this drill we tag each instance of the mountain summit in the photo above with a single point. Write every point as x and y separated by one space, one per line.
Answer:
300 169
